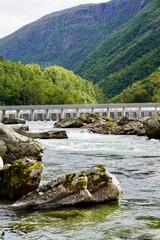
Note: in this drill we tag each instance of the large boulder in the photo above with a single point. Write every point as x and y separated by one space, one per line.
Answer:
95 185
129 126
152 127
20 178
14 146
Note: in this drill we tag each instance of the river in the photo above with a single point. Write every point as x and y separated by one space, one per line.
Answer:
134 160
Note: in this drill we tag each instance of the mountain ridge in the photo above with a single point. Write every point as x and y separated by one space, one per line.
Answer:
66 37
129 54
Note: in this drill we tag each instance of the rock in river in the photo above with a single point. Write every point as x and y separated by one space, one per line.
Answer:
84 120
95 185
46 135
129 126
20 178
14 146
7 120
152 127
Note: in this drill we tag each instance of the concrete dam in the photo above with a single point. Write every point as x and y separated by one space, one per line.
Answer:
56 112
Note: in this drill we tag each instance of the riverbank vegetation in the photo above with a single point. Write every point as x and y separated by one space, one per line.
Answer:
31 85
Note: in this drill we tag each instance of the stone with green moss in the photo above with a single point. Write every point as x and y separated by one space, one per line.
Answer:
95 185
20 178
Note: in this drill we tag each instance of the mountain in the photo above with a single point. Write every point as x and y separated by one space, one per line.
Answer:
66 37
31 85
147 90
129 54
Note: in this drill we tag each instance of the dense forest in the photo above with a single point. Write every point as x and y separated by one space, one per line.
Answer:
147 90
30 84
129 54
113 44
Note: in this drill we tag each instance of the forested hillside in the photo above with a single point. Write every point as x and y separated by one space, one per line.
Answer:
113 44
65 38
129 54
30 84
147 90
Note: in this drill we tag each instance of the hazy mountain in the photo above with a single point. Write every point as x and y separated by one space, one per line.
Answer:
66 37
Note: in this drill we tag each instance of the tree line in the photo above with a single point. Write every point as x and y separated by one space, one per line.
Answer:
30 84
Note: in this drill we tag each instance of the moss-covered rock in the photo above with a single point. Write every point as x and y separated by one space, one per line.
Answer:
95 185
20 178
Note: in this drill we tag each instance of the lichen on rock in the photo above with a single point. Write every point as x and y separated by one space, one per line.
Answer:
19 178
95 185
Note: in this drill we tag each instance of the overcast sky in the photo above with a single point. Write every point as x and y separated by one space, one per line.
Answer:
17 13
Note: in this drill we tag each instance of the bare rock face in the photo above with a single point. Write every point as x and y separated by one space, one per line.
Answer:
14 146
20 178
95 185
152 127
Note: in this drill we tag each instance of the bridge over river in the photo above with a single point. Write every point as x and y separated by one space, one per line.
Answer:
56 112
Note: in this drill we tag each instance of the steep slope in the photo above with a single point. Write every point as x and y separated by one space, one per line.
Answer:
30 84
147 90
65 38
129 54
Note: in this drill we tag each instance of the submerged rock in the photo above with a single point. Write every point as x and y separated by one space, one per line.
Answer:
20 178
14 146
46 135
95 185
8 120
152 127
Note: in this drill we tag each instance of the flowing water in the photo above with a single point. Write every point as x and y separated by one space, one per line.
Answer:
135 161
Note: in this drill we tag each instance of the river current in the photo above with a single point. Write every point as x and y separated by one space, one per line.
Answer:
135 161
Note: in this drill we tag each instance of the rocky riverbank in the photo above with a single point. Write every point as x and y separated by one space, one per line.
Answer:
21 174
